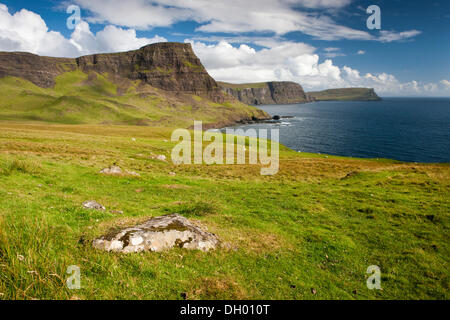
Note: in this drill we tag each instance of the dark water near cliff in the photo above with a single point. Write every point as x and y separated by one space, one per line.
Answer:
406 129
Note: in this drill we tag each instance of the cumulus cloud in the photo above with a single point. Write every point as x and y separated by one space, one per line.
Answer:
110 39
361 52
300 63
234 16
27 31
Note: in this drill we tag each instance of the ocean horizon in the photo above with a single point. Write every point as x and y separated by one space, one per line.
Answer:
410 129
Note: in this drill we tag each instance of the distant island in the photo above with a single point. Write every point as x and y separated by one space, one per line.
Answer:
345 94
287 92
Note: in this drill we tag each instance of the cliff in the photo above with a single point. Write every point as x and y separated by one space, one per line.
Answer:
266 92
167 66
159 84
345 94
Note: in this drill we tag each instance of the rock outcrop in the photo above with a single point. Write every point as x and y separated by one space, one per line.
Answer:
267 92
158 234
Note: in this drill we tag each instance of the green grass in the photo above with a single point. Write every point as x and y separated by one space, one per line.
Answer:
80 98
319 223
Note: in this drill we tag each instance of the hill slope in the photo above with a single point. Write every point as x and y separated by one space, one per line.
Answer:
266 92
348 94
160 84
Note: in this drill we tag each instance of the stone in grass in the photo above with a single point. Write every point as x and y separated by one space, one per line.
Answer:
115 170
159 157
159 234
112 170
93 205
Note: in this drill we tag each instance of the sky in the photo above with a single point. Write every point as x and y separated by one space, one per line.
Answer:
320 44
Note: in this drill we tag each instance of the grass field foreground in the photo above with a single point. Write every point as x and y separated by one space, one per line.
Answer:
309 232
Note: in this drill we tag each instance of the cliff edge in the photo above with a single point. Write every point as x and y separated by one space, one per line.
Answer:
276 92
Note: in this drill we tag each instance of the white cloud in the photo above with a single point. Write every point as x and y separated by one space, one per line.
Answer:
389 36
361 52
278 60
27 31
110 39
445 83
333 52
299 63
234 16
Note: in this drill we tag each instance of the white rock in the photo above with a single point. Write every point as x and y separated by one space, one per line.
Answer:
112 170
159 234
92 205
161 157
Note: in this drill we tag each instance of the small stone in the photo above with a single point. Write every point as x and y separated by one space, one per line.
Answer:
116 211
172 174
161 157
132 173
313 291
92 205
133 139
112 170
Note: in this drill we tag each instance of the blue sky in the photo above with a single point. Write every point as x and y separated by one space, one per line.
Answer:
318 43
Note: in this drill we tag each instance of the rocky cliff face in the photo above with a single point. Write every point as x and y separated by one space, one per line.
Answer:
267 93
168 66
39 70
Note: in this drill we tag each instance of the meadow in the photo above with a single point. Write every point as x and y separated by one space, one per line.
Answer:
308 232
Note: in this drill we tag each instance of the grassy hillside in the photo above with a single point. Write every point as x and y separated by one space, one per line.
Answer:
348 94
80 98
309 232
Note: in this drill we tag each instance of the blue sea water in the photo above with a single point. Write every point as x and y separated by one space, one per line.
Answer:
406 129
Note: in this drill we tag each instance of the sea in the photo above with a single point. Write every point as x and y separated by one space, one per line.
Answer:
404 129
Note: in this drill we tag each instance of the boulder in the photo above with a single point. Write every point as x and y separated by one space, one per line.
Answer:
93 205
158 234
